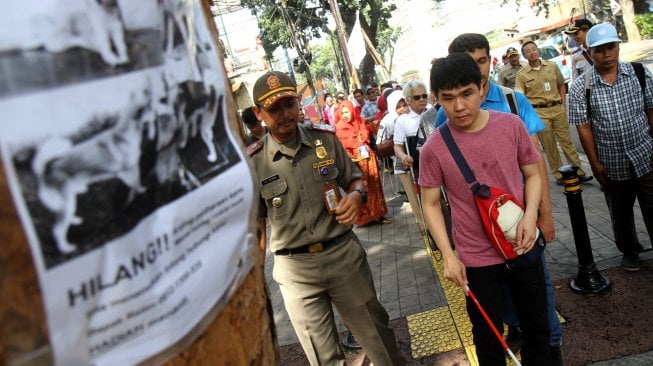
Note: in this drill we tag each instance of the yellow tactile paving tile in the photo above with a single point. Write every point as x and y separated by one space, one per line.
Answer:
432 332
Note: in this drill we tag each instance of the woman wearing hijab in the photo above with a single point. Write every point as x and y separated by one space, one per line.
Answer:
355 137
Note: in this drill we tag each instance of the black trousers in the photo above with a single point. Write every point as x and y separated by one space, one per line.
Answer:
620 197
528 291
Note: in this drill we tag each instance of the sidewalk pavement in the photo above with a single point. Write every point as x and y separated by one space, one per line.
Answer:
407 283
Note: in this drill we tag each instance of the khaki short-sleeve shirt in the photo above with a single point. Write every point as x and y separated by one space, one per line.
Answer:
540 85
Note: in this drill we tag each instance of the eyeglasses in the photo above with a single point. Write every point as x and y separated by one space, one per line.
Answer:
417 98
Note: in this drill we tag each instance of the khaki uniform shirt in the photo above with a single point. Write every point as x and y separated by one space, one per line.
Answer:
540 85
291 178
508 75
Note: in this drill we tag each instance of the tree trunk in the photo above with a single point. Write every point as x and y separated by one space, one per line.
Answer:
368 73
628 11
242 333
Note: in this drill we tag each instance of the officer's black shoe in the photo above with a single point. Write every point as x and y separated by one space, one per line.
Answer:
350 341
559 181
513 339
585 178
556 355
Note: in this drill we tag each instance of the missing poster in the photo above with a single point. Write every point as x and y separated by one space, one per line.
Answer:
122 166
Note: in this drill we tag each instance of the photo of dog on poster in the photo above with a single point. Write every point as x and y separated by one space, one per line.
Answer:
142 126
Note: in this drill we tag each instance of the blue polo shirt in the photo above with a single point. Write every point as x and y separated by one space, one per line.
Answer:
497 101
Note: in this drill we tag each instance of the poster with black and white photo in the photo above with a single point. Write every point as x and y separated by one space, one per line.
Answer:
123 169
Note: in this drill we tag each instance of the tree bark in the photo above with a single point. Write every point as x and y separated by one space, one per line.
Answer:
628 14
242 333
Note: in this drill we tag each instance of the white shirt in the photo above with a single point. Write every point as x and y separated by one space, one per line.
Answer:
405 125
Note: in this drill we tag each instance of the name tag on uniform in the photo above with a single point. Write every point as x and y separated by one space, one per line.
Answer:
269 179
547 86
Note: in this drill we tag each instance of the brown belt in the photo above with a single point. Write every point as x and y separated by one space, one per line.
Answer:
314 247
546 105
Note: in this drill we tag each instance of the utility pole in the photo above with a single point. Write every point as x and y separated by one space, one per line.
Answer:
351 71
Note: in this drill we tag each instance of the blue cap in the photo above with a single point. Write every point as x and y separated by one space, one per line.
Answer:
601 34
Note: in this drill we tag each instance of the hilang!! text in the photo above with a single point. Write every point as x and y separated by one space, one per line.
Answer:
124 272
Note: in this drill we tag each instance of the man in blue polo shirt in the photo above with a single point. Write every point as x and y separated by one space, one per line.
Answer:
478 47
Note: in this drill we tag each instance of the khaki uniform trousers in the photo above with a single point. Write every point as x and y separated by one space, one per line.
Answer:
310 283
556 131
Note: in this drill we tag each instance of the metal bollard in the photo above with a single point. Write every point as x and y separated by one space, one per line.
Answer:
588 280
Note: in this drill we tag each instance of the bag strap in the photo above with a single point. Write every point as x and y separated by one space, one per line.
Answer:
510 97
477 188
588 93
641 77
587 57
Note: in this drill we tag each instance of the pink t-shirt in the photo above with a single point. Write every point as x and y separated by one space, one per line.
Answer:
494 154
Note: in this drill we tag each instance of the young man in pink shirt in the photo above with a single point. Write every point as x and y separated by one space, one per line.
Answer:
500 153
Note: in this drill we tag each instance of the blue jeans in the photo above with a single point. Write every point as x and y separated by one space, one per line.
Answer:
529 296
510 315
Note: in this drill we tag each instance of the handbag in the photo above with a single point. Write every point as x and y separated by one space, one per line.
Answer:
386 148
500 211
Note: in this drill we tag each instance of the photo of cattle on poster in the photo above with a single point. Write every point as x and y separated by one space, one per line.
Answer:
121 164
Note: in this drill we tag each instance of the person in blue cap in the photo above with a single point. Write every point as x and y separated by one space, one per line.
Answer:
616 135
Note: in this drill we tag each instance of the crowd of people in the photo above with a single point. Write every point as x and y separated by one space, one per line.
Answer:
318 180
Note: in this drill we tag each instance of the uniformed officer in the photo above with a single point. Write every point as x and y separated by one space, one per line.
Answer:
543 84
311 193
580 59
509 71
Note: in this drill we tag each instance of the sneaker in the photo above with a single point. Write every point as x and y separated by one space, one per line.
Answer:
630 262
556 355
513 339
585 178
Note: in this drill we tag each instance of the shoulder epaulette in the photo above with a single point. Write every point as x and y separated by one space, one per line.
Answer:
254 148
323 127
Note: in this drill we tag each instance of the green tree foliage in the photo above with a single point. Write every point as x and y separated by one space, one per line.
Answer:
277 18
387 39
645 24
323 56
309 19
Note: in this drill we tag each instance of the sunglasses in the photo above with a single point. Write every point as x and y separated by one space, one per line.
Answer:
417 98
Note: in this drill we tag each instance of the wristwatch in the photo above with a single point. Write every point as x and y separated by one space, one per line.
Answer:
363 193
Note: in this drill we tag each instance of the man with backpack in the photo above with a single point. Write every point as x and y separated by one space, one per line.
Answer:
611 106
